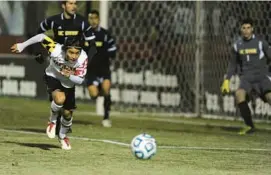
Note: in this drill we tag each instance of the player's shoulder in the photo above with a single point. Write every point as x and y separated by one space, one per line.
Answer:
238 41
54 17
83 57
79 17
57 50
105 31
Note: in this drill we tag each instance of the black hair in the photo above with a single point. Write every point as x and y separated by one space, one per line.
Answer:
247 21
96 12
76 42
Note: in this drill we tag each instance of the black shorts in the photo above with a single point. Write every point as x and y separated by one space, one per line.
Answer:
94 79
260 87
54 84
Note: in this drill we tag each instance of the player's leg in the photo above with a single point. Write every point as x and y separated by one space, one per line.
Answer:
106 84
65 124
66 118
56 107
93 91
241 99
92 85
57 98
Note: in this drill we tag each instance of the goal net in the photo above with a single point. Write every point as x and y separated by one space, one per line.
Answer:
172 56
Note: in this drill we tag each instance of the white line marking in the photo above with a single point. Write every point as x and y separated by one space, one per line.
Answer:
161 147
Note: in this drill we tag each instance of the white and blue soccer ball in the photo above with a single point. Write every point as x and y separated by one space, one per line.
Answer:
143 146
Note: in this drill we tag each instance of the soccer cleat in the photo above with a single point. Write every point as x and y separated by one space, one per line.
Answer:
51 130
65 143
246 130
106 123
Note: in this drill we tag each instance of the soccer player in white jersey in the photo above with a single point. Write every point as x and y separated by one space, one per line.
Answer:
68 66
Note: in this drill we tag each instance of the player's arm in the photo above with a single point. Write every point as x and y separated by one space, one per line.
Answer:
90 46
46 42
266 49
46 25
80 73
232 64
112 48
225 88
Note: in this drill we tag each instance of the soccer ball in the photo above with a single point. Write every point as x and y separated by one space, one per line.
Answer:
143 146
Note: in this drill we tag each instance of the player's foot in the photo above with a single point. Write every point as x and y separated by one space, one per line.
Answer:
246 130
65 143
51 130
106 123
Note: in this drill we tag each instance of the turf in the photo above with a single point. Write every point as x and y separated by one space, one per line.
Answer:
185 146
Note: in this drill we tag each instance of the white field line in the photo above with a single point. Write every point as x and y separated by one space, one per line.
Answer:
160 147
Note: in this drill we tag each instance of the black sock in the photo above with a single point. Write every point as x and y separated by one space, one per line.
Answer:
107 104
58 124
246 114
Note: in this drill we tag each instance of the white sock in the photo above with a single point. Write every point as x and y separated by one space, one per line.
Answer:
54 111
64 127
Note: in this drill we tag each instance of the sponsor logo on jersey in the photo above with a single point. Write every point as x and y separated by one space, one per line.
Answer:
248 51
67 33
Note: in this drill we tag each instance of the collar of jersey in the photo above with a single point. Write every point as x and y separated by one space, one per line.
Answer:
252 37
62 16
98 29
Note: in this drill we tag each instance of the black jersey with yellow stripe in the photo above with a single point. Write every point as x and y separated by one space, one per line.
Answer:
62 28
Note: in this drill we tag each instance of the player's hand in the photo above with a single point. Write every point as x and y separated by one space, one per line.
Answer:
66 72
14 48
225 88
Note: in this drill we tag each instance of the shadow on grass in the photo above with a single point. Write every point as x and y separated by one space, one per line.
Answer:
42 146
231 128
32 130
225 128
81 122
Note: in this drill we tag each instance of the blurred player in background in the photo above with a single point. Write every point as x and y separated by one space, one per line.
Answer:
98 78
68 66
249 53
69 24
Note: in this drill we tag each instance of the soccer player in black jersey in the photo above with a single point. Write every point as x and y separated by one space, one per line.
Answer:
69 24
250 54
98 76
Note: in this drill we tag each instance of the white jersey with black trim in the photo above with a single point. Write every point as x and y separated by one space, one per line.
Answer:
58 62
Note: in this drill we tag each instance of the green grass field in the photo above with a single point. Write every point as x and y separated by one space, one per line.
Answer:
185 146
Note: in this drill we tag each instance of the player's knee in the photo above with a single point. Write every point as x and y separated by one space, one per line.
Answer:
106 91
67 115
59 97
93 92
240 95
66 118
